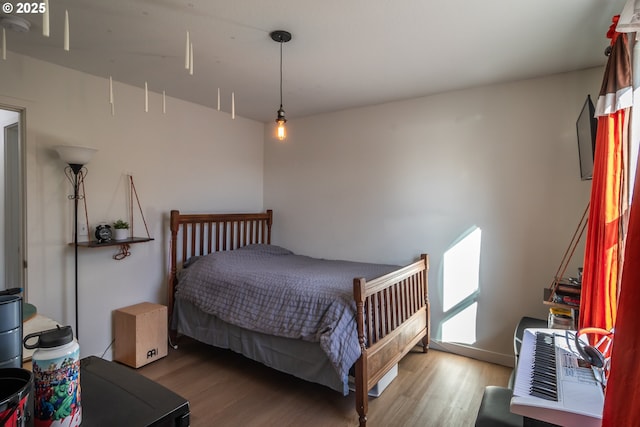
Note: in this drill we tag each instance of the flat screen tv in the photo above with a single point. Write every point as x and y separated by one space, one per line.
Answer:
586 126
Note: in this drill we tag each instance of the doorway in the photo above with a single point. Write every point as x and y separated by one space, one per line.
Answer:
12 224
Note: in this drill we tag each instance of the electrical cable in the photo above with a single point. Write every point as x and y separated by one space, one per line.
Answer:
107 349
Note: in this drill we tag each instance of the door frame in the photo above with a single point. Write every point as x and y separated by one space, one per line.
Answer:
18 161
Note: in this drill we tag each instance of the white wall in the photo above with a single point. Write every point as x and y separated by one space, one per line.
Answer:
193 158
388 182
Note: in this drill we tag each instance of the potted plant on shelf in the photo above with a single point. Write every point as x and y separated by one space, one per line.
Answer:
121 230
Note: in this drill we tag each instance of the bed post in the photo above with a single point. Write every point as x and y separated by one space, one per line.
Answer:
362 398
425 280
171 286
269 223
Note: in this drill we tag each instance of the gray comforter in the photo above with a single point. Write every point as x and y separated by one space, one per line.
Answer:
269 289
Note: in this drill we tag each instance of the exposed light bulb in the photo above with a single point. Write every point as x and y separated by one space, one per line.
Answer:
282 131
281 120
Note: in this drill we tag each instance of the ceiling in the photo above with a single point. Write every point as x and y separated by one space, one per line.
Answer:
344 53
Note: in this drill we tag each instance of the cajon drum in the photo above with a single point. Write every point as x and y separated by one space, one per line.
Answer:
140 334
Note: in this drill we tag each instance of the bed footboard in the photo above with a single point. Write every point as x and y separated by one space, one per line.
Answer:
392 317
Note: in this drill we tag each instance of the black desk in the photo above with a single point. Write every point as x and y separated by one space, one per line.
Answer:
115 395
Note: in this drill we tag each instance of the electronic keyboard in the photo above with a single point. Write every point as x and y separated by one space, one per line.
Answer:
553 383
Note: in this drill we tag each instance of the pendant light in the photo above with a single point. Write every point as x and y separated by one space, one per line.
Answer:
281 36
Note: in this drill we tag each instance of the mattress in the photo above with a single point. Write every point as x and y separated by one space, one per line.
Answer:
270 290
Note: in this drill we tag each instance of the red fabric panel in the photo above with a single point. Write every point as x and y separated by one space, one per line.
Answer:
598 300
617 75
622 399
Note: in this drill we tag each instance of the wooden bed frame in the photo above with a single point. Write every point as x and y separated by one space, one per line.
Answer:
392 310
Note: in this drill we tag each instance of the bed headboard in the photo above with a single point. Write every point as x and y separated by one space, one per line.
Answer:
202 234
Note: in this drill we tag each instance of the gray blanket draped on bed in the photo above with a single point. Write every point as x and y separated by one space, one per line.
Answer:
269 289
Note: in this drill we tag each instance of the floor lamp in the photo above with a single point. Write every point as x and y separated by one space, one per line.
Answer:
75 158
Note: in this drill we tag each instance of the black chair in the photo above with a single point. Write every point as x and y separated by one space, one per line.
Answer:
494 408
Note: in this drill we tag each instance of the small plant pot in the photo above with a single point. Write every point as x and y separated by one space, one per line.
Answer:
121 233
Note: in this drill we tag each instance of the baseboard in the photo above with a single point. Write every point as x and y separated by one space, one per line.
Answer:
474 353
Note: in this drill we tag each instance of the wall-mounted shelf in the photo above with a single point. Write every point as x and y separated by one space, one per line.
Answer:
559 286
123 244
96 244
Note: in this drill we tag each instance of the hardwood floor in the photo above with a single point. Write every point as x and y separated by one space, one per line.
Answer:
226 389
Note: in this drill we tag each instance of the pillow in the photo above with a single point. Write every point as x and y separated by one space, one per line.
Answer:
266 249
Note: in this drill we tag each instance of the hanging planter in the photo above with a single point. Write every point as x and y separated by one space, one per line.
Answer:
121 230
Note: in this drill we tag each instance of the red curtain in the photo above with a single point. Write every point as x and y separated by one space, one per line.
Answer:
622 398
601 305
600 275
599 300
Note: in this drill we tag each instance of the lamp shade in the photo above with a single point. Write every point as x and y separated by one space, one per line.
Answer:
74 155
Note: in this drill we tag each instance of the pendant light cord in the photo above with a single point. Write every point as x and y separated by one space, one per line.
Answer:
281 36
280 73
